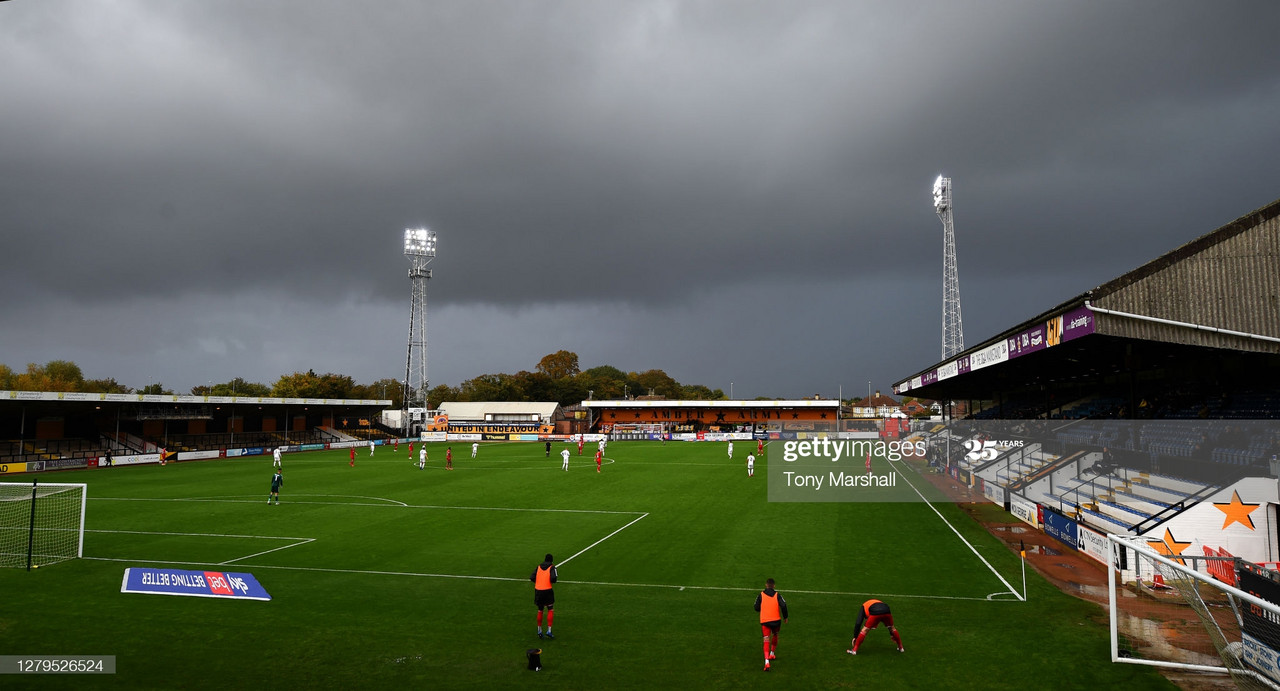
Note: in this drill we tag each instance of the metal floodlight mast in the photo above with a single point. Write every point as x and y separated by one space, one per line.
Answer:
952 325
420 248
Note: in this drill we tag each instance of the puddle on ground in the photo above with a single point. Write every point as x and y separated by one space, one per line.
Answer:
1047 551
1015 529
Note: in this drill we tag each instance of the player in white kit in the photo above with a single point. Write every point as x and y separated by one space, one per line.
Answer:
475 448
276 455
565 455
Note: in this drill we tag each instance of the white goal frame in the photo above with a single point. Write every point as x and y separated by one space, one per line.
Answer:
1142 565
28 496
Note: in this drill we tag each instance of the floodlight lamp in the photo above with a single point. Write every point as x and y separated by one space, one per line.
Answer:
940 193
419 242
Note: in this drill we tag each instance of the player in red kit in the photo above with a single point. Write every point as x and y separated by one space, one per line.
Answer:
579 444
759 447
544 596
773 612
873 614
599 457
353 457
448 458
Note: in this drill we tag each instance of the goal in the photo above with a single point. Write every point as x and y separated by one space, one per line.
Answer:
41 524
1196 613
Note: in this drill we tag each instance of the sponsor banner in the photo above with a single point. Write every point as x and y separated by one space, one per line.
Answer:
506 428
949 370
1061 528
13 468
312 447
1076 323
235 453
464 437
1024 509
1093 544
198 455
254 451
1261 656
993 492
64 463
526 437
434 436
1028 341
498 437
991 355
236 586
75 396
136 459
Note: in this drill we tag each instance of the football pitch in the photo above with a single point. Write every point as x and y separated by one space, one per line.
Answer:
384 575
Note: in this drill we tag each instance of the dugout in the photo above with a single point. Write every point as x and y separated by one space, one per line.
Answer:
1194 332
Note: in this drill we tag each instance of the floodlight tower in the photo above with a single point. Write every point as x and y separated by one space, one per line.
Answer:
952 326
420 248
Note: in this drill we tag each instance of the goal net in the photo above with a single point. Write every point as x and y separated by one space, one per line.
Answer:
1197 613
41 524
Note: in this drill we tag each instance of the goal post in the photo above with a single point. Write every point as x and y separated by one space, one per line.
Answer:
1194 613
41 523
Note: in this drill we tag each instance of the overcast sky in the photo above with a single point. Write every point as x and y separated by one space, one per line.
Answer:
736 192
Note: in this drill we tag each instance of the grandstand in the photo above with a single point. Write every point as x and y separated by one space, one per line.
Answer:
42 431
1148 406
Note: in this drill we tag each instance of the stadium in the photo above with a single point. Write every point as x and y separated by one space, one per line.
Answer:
1121 426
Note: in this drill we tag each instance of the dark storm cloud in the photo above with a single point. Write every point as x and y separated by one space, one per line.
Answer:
633 155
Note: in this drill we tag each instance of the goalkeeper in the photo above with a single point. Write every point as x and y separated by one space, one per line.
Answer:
277 481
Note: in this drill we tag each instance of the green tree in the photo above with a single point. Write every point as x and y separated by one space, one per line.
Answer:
602 382
559 365
442 393
657 382
311 385
108 385
57 375
6 378
156 389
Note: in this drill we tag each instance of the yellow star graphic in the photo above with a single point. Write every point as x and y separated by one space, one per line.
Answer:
1169 547
1237 511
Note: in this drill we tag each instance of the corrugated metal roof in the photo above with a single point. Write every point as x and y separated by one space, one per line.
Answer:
1226 279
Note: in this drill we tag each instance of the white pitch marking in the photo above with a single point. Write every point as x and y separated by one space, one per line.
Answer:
154 532
606 537
217 500
525 580
277 549
962 538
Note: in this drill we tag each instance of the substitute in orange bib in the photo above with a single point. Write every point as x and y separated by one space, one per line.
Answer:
773 612
873 614
543 578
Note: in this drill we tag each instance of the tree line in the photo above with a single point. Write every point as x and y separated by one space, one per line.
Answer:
556 377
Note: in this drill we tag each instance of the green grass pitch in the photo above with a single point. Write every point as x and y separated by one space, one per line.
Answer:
386 576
